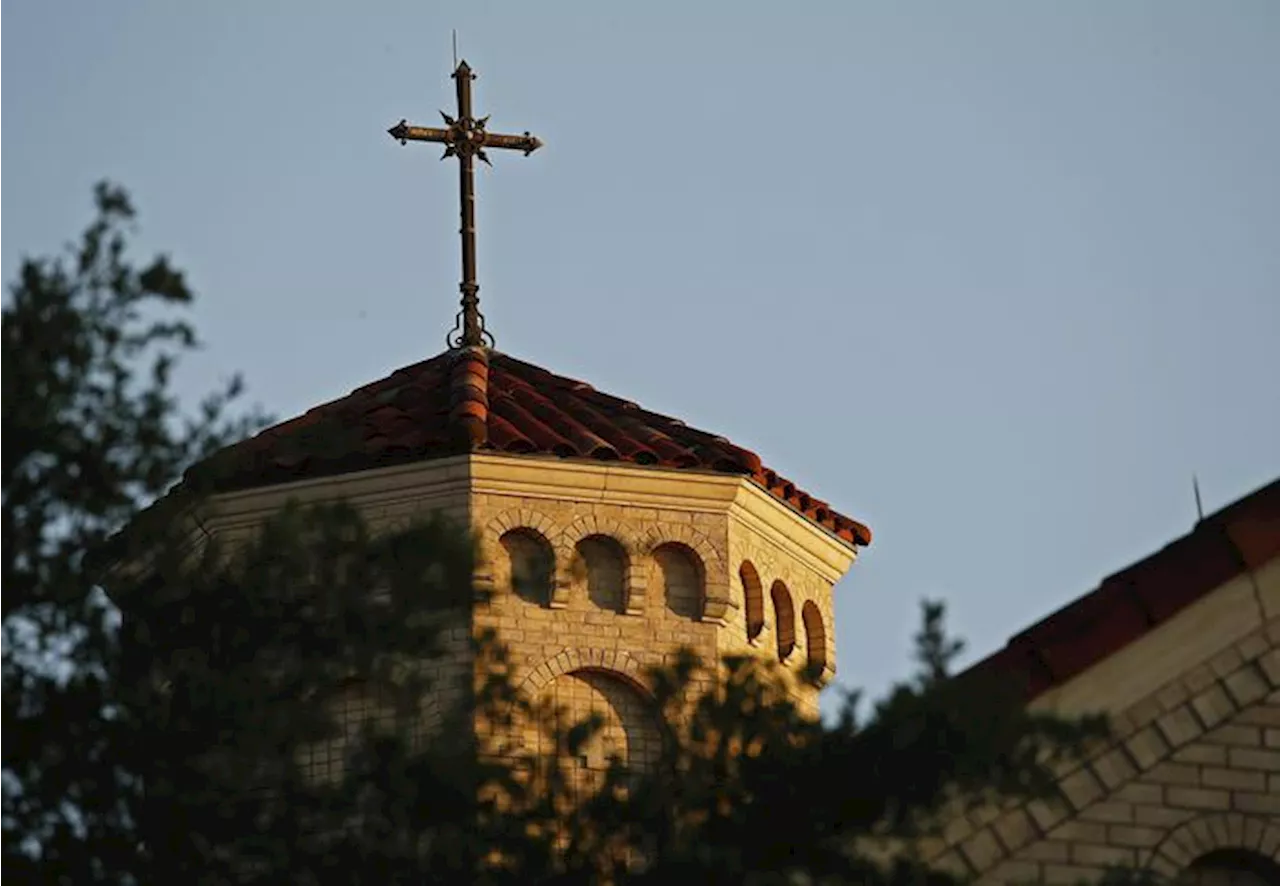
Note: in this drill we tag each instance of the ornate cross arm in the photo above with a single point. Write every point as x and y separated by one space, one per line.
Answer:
466 138
404 133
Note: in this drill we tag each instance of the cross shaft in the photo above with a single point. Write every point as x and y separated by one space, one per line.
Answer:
466 138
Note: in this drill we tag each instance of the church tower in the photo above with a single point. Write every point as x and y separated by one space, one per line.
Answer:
610 536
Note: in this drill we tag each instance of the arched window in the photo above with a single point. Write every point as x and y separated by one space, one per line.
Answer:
1231 867
752 599
815 636
530 565
679 579
784 619
606 565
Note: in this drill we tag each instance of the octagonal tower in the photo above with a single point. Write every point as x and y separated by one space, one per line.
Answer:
610 536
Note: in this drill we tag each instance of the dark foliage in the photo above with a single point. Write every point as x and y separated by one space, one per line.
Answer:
178 745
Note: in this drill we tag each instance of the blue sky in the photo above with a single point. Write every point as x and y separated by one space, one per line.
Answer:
995 278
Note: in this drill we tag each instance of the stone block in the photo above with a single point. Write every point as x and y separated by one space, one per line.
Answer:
1047 813
1141 713
1080 832
1253 646
1114 768
1146 746
1248 758
953 863
1161 816
1015 873
1237 735
1269 664
1213 706
983 815
1072 874
1101 855
1218 830
1226 661
1108 812
1198 798
1267 804
1135 836
1016 830
1174 774
1233 779
1172 695
1140 794
1253 830
1235 829
1201 754
1164 867
982 850
1198 679
1246 685
1269 845
1047 850
1081 788
1179 726
1266 714
956 829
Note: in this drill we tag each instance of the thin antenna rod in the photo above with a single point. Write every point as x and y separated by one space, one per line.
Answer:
455 49
1195 484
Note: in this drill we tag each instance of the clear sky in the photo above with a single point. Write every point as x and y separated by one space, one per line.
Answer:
995 278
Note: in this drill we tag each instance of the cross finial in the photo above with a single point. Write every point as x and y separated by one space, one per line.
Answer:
466 138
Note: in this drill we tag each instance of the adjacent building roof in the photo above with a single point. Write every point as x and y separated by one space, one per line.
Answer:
476 399
1235 540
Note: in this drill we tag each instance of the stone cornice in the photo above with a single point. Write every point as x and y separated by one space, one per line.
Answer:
606 482
448 482
440 481
826 554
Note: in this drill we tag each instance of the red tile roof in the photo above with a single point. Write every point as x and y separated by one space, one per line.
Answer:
1235 540
475 399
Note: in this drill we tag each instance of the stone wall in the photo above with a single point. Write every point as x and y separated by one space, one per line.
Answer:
1194 770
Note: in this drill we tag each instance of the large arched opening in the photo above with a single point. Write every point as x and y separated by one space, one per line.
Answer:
628 729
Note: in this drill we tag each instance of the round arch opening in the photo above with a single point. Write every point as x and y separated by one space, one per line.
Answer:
784 619
1231 867
629 725
815 638
752 599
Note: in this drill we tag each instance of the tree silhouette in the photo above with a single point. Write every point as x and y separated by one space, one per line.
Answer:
252 711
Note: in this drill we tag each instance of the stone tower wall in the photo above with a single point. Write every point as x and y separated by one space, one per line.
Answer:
593 574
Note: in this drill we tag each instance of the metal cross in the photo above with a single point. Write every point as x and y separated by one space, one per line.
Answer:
466 139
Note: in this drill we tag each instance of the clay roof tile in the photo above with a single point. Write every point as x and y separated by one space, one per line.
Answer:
1133 601
477 399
